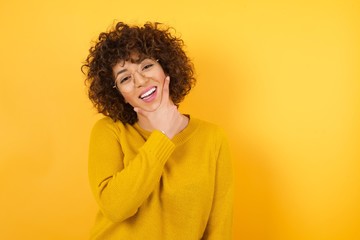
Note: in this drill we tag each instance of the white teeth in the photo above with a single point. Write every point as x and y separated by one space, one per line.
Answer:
148 93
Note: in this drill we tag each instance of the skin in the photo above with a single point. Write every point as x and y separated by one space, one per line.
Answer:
157 112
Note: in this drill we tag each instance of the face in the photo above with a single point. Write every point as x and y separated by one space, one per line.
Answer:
140 84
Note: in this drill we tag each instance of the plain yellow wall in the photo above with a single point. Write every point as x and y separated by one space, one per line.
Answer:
281 77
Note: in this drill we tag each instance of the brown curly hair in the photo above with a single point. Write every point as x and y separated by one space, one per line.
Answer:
152 40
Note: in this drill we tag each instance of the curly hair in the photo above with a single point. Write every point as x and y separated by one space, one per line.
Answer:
152 40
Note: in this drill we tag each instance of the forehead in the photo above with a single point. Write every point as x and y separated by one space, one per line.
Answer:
123 66
133 58
129 63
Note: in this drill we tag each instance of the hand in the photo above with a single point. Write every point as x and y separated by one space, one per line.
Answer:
166 117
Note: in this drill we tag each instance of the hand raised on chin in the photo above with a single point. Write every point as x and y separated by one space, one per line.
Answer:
165 118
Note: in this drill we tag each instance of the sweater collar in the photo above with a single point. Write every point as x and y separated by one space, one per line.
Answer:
178 139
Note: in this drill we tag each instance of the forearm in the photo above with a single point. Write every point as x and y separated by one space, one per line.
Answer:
120 195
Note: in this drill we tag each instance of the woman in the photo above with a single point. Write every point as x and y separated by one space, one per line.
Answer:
155 173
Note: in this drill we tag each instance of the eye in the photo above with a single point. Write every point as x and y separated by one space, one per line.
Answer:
147 66
124 79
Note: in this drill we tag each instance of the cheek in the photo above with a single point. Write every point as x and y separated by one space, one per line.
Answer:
126 97
160 75
161 78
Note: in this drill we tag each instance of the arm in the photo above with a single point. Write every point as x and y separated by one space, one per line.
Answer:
220 222
120 190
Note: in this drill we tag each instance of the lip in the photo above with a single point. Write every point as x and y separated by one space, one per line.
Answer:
151 96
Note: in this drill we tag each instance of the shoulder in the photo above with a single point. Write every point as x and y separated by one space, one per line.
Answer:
105 121
106 125
209 129
212 137
208 126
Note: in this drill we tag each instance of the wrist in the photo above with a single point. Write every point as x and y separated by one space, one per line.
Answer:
169 134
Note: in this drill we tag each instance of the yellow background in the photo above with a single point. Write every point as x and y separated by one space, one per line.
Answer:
281 77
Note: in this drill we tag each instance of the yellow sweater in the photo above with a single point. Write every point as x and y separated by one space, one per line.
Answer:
150 187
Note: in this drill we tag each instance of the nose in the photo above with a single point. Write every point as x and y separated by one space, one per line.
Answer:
139 79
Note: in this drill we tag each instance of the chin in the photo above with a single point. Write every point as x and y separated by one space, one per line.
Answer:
152 108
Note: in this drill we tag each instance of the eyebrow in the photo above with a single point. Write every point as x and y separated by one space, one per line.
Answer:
124 70
120 72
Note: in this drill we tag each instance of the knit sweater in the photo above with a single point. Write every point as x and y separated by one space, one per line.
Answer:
150 187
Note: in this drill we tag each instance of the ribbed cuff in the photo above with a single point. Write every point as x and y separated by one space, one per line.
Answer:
159 145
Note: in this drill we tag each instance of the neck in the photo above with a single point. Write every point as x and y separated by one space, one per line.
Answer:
177 126
144 123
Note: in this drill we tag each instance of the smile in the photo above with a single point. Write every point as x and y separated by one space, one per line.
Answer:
148 93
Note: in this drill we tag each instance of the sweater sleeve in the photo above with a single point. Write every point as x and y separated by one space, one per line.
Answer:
120 191
220 221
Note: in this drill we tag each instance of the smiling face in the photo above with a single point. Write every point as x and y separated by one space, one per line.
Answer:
141 84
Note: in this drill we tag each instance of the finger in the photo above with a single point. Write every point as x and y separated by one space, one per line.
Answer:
167 83
165 90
